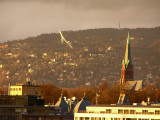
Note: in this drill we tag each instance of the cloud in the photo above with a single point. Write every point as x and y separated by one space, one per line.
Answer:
24 18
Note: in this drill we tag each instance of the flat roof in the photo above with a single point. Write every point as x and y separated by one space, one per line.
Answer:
26 106
32 85
139 106
11 106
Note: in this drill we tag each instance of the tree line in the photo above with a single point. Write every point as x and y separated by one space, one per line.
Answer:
105 94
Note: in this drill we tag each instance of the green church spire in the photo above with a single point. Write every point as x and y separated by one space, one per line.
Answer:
127 59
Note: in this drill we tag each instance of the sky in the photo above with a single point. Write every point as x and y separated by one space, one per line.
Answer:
20 19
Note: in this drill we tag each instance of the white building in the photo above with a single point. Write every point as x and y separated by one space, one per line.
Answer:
119 112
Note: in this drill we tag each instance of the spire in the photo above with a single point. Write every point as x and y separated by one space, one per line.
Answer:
127 65
127 59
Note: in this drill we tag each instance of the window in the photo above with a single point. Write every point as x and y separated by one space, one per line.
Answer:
126 111
81 118
97 118
157 112
144 111
92 118
86 118
108 111
132 111
120 111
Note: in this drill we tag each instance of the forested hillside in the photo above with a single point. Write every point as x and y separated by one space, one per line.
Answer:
96 56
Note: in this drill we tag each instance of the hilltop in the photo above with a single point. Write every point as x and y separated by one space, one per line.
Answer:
96 56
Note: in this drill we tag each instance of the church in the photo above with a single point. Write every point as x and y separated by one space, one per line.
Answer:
127 82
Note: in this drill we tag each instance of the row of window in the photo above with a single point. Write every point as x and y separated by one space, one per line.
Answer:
15 89
98 118
125 111
19 89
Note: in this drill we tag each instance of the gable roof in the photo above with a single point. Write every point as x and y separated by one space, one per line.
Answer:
135 85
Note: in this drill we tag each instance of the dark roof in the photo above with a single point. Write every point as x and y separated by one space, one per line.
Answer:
81 105
62 104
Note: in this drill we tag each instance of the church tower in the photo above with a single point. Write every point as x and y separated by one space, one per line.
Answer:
127 65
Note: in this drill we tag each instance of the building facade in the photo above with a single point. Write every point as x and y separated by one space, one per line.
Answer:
119 112
24 89
21 112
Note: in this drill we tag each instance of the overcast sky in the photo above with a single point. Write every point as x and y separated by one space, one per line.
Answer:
24 18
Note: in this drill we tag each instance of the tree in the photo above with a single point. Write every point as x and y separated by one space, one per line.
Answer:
50 93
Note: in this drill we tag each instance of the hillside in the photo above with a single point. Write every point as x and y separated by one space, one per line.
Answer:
96 56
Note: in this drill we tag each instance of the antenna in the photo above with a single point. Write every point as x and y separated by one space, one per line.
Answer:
64 40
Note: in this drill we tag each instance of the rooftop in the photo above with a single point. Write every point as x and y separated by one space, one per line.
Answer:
140 106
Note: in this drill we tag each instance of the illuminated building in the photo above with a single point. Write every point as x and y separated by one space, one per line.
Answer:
24 89
119 112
